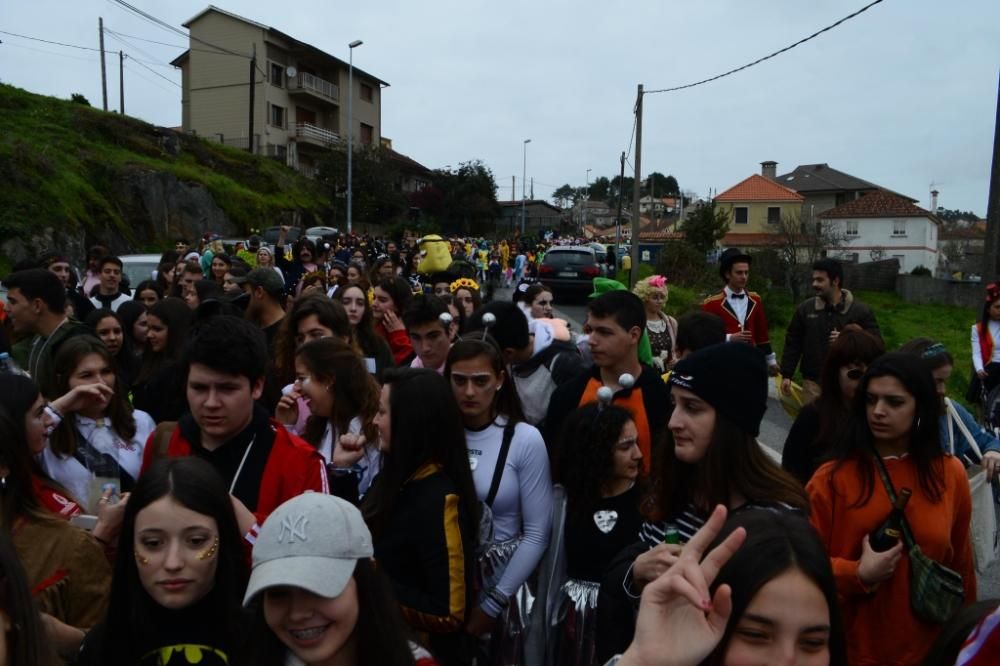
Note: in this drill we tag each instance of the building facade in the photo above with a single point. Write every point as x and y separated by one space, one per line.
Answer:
884 225
300 93
756 207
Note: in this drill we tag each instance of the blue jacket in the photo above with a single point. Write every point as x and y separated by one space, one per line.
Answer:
985 440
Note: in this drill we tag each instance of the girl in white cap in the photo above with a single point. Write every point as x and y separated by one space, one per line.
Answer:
319 599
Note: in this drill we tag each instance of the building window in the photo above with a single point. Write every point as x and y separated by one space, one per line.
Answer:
367 94
773 215
741 215
367 134
277 75
899 227
851 228
277 116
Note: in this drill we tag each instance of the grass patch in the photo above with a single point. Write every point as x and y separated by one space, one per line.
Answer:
60 163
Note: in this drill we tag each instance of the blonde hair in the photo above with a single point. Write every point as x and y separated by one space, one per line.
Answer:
644 288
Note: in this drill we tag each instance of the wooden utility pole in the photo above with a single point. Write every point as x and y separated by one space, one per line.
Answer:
253 85
991 260
636 191
104 71
121 81
618 218
513 188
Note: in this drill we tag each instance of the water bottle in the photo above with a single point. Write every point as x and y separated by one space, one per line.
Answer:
9 366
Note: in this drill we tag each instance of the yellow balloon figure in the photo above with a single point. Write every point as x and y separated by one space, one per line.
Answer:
435 255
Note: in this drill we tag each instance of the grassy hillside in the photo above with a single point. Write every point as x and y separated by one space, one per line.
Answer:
59 162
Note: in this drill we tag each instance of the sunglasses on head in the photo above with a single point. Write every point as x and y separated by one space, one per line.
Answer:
855 374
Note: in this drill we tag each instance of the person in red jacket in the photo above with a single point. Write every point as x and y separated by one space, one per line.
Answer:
742 311
262 463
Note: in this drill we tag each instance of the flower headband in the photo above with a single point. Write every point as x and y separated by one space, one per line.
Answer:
992 291
935 349
658 281
463 283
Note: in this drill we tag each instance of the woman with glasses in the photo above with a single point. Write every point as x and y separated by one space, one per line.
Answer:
514 541
822 423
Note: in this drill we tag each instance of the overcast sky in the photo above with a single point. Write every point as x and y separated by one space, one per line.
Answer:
903 95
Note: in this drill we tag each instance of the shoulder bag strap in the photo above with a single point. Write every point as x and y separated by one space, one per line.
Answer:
953 417
508 436
887 482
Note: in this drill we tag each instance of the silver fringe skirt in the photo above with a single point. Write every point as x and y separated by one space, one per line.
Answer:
505 645
576 622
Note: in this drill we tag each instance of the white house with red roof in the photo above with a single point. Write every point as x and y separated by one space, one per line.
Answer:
884 225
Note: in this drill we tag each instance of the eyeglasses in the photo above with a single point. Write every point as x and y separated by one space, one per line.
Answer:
854 374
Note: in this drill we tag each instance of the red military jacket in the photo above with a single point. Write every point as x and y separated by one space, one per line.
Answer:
756 320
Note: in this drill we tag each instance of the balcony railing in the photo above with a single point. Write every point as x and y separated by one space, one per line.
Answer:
314 84
314 134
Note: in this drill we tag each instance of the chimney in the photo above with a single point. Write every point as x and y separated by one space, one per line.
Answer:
769 169
934 206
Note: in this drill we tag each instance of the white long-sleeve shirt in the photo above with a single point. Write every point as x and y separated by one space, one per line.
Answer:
523 504
977 355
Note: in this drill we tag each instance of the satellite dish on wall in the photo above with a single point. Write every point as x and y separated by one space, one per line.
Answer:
291 72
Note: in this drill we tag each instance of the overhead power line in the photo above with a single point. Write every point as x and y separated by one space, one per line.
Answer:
769 56
154 72
166 26
49 41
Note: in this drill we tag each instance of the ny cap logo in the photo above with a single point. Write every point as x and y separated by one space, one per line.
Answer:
294 527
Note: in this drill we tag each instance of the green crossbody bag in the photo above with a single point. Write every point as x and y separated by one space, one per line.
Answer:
936 592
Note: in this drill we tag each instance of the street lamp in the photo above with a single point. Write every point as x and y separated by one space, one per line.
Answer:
350 126
524 175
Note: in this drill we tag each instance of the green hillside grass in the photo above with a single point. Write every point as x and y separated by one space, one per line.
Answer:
59 161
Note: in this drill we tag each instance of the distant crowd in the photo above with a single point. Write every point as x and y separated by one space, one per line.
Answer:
360 450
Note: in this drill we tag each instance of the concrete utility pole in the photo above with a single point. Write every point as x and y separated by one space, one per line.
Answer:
636 190
121 81
524 177
253 86
513 188
350 134
991 260
104 71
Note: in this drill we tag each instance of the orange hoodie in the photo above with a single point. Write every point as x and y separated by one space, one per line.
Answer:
881 628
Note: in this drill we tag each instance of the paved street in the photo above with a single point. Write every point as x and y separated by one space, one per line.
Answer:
773 431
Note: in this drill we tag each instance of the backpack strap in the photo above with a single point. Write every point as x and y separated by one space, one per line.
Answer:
508 436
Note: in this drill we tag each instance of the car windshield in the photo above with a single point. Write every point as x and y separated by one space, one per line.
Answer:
136 272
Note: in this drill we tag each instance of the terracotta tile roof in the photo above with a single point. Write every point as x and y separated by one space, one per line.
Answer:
880 203
758 188
662 236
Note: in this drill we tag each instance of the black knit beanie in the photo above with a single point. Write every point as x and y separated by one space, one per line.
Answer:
731 377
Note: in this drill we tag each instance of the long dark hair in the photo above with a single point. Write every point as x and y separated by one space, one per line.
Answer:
853 345
476 344
776 542
364 333
27 644
426 427
129 312
398 290
380 633
18 498
195 485
585 455
176 315
925 440
71 353
355 392
733 463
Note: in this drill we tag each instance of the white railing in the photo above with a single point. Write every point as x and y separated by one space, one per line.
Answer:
315 134
309 82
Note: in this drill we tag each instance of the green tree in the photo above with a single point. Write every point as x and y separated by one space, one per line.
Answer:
705 226
77 98
662 186
599 189
377 197
563 195
462 200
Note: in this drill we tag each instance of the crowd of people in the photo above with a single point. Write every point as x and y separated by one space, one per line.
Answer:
327 454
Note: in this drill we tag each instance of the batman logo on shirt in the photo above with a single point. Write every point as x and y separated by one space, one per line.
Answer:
185 654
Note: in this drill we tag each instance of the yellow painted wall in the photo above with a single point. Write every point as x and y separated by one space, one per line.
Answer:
757 215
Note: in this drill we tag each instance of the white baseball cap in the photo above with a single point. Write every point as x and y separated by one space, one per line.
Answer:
312 542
